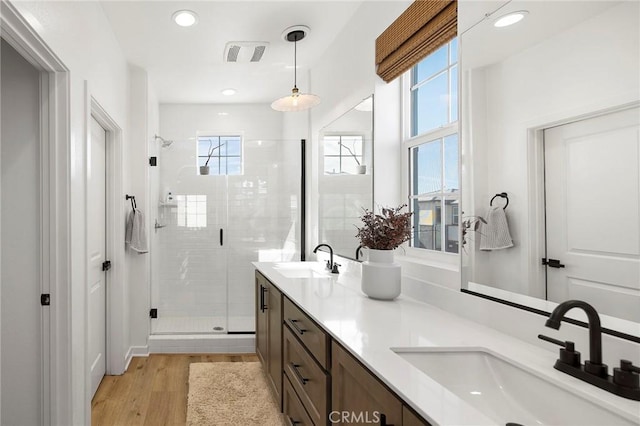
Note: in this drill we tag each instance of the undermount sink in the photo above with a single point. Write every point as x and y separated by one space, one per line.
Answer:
302 270
505 392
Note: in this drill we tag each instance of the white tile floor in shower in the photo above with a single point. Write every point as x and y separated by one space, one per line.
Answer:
202 325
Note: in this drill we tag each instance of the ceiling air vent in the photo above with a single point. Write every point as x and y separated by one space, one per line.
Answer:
245 51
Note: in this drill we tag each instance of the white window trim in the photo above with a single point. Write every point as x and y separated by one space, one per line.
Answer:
408 142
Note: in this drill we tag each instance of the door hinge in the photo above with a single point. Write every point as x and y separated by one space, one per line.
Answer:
153 161
153 313
552 263
45 299
106 265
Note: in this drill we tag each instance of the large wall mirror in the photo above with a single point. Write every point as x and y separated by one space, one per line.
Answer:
345 181
550 125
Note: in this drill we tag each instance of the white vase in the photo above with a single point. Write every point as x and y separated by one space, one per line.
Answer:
381 276
204 170
361 169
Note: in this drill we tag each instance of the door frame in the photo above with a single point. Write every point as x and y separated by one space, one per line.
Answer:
116 300
55 213
537 238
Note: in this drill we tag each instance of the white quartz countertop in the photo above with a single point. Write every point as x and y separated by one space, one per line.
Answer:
370 328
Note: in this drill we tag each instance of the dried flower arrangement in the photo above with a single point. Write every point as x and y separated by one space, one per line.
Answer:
353 154
212 149
471 224
385 231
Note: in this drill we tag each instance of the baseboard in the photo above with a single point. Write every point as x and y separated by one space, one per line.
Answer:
135 351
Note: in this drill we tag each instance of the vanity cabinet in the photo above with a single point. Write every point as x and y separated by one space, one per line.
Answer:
269 332
292 407
356 392
409 418
315 380
305 360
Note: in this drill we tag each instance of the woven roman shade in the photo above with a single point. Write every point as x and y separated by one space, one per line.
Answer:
420 30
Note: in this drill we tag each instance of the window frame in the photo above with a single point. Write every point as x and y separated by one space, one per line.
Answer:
342 134
239 135
409 142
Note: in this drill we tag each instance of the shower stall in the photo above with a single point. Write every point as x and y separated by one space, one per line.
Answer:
211 223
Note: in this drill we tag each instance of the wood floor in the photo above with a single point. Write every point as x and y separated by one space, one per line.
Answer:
153 391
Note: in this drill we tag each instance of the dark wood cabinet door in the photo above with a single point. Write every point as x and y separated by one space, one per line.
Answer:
262 324
358 398
274 340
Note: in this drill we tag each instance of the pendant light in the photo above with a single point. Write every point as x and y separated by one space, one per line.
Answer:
296 101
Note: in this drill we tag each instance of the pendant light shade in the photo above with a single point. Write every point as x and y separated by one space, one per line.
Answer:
296 101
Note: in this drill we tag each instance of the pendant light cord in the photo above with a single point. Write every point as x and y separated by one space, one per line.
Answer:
295 61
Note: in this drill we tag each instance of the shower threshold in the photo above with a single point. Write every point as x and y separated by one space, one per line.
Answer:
201 325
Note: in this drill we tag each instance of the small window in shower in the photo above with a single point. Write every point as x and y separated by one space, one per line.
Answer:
222 154
192 211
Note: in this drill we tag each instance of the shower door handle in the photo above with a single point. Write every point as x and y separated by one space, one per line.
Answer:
221 237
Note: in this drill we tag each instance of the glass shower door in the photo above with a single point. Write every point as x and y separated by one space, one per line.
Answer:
214 226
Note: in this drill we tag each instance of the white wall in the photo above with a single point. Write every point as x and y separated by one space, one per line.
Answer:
343 76
21 231
576 72
80 35
144 122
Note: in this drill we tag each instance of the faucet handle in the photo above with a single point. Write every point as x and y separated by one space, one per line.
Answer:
628 375
328 266
335 270
568 354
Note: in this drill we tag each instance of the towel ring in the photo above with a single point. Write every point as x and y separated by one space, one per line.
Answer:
503 195
134 206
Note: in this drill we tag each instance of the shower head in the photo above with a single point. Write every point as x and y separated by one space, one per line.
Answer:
165 142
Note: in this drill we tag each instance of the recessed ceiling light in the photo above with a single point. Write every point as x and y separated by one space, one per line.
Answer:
510 19
229 92
185 18
223 113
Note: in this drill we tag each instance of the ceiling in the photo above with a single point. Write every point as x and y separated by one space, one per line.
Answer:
185 65
483 44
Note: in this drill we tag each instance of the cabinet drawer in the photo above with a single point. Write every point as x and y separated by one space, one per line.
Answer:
310 381
356 390
311 335
293 409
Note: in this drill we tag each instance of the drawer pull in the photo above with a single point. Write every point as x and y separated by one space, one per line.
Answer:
302 380
295 325
263 303
383 421
293 422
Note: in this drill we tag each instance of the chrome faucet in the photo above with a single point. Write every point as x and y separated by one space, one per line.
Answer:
333 267
625 381
359 251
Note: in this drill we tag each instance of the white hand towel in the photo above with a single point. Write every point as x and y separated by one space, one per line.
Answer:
495 235
136 235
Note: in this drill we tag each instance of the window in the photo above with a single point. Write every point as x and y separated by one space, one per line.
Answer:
192 211
435 194
432 151
223 154
342 154
434 90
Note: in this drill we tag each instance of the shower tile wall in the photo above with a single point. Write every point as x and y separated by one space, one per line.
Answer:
194 276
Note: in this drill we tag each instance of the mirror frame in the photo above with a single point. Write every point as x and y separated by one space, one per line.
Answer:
624 329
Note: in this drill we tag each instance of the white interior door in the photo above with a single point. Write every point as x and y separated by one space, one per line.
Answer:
96 246
592 208
22 317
